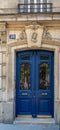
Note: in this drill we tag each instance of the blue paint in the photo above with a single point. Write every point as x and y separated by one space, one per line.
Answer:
34 103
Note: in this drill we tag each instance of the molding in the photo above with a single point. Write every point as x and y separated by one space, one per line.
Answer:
44 41
30 35
16 43
20 25
34 35
52 42
34 26
29 17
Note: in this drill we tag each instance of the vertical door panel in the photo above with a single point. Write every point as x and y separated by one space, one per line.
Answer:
24 88
44 84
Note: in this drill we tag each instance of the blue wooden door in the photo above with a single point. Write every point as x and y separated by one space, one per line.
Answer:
34 83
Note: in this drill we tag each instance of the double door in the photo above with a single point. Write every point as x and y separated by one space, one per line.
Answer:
34 83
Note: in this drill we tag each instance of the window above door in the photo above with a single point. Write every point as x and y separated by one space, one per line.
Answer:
35 6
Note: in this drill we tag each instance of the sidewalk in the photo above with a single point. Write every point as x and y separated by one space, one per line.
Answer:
28 127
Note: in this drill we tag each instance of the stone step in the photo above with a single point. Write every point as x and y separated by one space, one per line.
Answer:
34 121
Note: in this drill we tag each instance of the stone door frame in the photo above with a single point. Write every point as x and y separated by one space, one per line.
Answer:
12 75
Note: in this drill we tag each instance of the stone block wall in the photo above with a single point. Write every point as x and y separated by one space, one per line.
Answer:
8 51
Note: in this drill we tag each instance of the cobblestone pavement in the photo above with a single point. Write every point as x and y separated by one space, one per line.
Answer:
28 127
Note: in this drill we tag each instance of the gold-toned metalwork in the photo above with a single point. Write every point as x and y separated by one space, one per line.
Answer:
42 116
23 116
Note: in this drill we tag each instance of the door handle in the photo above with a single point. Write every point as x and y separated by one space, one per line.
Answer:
44 94
24 94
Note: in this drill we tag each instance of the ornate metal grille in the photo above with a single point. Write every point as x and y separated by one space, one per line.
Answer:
35 8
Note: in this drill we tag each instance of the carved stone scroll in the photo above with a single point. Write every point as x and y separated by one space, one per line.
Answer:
22 35
46 34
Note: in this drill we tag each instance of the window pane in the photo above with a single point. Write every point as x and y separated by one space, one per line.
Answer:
42 7
32 6
38 5
43 57
26 6
25 76
26 58
44 76
21 8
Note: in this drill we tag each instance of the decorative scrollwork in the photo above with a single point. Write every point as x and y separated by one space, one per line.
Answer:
23 35
46 34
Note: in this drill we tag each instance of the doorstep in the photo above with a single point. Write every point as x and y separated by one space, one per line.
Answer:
34 121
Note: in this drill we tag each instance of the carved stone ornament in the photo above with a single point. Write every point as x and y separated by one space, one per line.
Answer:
46 34
22 35
34 35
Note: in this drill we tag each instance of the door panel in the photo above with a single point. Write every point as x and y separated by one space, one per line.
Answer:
34 84
44 107
24 106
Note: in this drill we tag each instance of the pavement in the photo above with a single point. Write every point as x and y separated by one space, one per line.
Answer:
29 127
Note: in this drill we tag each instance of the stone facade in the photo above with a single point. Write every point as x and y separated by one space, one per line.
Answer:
11 6
45 35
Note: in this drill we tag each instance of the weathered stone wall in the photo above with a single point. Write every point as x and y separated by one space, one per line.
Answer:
13 4
3 68
10 7
9 3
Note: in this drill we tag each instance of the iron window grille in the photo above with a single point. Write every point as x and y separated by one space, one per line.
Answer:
35 8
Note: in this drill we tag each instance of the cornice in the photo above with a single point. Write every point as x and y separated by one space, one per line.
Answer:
30 17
